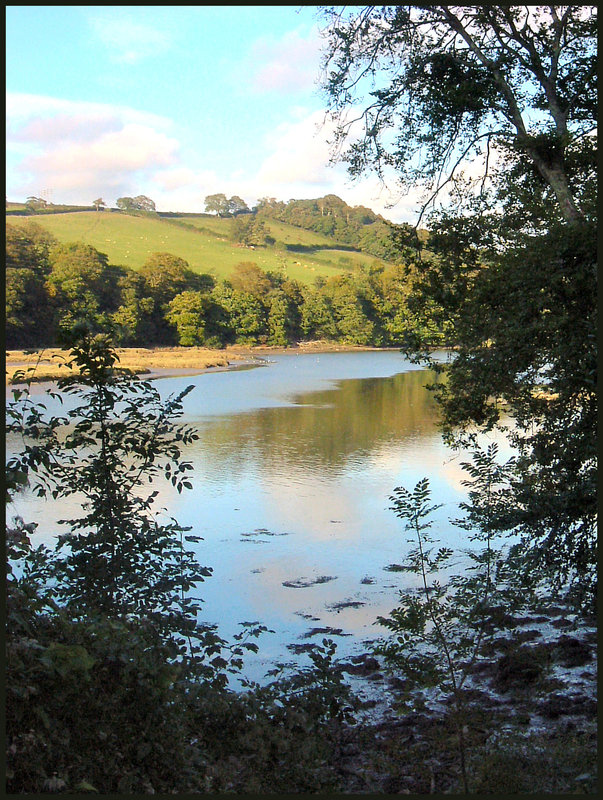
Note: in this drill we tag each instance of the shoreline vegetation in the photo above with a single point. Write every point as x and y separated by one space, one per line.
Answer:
158 361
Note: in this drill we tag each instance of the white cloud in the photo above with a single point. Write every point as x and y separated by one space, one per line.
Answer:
284 65
300 153
83 148
22 108
299 167
80 150
127 41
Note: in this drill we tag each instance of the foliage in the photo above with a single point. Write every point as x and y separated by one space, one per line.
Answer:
331 216
224 207
118 559
113 684
443 84
251 231
36 203
511 271
139 203
187 312
525 329
203 240
440 629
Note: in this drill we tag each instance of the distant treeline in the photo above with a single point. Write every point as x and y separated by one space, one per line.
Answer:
51 287
356 226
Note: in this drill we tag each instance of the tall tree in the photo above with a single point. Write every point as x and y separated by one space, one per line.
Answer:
82 285
513 270
186 312
446 83
236 205
139 203
216 204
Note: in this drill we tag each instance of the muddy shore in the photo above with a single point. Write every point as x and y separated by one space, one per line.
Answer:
45 365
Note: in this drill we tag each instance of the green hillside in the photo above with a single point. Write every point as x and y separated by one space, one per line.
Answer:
204 242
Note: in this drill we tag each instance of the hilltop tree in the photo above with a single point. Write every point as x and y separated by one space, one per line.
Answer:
143 203
36 203
217 204
139 203
236 205
99 204
513 273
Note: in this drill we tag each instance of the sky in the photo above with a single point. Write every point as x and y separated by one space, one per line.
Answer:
172 102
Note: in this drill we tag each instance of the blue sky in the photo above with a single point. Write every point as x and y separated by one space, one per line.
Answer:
172 102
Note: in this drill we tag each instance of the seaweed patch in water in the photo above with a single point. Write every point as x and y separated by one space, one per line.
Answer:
302 583
325 632
345 604
263 532
307 616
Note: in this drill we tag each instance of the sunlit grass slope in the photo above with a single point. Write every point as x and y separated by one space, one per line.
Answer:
204 242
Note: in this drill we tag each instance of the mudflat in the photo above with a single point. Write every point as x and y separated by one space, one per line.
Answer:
48 364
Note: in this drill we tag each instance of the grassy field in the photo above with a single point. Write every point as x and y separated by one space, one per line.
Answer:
205 245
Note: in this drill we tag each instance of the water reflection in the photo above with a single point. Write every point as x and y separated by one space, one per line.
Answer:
324 430
293 469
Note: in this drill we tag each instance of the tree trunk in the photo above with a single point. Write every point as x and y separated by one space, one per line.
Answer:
554 174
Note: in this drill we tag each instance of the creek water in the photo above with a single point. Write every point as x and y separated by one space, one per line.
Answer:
293 469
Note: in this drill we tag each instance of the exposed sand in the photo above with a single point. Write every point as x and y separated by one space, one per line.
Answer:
44 365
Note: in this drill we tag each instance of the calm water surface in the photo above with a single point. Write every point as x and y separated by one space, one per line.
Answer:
293 470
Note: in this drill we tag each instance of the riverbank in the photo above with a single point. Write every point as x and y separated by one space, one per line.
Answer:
530 717
48 364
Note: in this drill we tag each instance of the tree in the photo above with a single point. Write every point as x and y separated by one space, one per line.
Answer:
139 203
216 204
165 276
451 82
248 277
143 203
124 203
349 311
186 312
28 314
36 203
99 204
251 231
133 321
82 285
512 272
28 318
237 205
28 246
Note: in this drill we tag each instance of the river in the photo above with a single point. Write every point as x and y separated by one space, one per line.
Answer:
293 469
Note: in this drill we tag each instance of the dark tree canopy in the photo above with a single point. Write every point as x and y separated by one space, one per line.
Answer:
420 91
